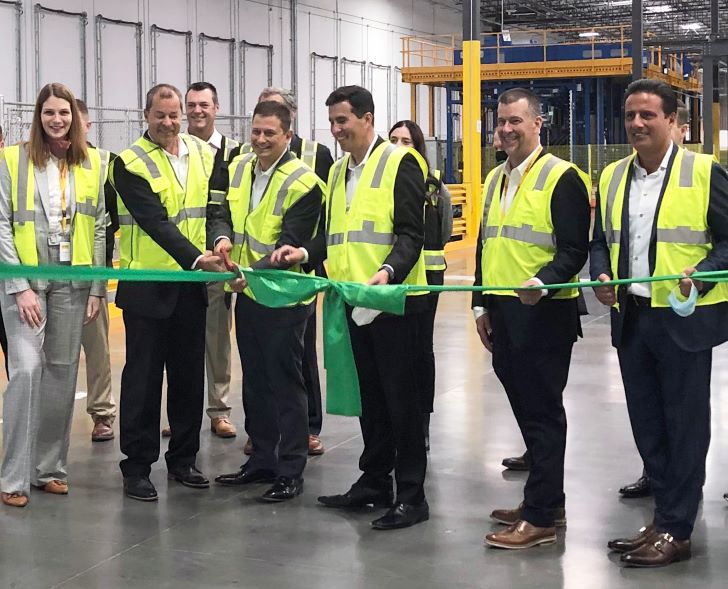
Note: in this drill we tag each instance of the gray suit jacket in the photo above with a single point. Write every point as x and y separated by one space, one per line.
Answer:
8 253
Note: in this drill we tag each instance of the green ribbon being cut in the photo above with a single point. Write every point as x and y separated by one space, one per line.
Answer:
280 288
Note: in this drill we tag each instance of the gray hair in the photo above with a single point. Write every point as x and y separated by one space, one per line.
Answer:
288 97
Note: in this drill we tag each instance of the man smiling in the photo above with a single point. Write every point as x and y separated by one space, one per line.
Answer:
272 198
534 231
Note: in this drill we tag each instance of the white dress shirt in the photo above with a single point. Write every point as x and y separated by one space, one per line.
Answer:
515 175
355 171
644 192
53 173
215 141
260 183
180 162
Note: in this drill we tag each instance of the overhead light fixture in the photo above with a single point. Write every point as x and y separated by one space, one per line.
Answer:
589 34
693 26
658 8
619 3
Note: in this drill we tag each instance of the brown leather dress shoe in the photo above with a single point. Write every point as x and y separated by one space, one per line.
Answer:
315 446
14 499
630 544
55 487
222 427
661 550
102 431
521 535
167 432
512 516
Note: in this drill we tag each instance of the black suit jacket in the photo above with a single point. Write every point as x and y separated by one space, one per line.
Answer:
154 299
324 161
708 325
551 320
409 226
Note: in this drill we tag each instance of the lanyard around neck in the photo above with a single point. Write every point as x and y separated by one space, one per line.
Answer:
523 176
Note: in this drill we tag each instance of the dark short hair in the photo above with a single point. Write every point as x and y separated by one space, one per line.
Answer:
359 98
1 133
271 108
516 94
165 91
82 106
683 114
658 88
199 87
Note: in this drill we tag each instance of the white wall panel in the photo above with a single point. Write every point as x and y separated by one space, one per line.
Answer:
9 24
324 72
171 63
60 52
120 68
380 87
171 14
216 67
256 64
352 72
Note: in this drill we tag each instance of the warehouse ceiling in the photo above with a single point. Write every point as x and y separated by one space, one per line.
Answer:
681 20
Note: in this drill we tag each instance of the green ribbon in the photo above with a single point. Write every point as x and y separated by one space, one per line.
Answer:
280 288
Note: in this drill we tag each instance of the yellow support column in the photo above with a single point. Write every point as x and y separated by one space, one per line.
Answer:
471 134
431 110
413 102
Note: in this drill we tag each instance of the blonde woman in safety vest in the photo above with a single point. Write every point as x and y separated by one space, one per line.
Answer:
51 213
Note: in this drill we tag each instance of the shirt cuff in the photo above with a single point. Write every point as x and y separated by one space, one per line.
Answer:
305 255
389 270
544 291
197 259
478 312
220 237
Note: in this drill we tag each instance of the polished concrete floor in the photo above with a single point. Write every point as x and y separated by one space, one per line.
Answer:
221 537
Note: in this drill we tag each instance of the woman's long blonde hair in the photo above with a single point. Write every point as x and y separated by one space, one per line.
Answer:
37 146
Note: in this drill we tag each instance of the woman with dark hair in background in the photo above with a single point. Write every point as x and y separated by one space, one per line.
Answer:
438 229
51 213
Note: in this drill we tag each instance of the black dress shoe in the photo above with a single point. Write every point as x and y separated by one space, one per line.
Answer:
725 496
402 515
140 488
359 496
283 489
246 476
518 462
189 476
642 487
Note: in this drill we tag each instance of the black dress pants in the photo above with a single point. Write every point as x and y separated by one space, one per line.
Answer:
270 342
534 378
176 343
668 399
424 345
311 375
391 421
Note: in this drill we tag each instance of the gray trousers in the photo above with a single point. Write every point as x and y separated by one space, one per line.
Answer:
219 322
95 343
38 402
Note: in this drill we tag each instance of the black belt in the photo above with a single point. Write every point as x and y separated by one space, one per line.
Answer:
639 301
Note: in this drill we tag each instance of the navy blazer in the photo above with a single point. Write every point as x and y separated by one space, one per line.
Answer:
707 326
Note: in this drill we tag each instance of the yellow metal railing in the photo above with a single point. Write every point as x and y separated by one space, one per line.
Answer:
435 51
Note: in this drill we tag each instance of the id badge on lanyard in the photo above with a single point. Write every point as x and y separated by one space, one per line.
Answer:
64 245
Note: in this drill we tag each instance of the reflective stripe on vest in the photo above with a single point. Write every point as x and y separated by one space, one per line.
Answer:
518 243
360 234
682 237
434 260
256 230
186 206
87 182
308 153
